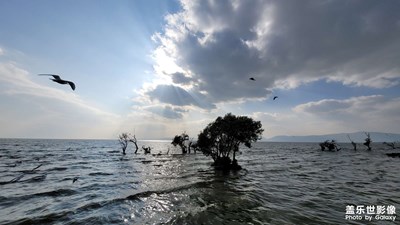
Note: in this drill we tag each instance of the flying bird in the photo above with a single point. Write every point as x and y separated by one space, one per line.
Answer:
252 78
58 79
75 179
275 97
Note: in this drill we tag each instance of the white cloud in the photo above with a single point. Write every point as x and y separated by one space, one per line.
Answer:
286 122
363 113
354 106
372 113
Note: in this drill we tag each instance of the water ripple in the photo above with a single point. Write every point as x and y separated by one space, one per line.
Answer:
282 183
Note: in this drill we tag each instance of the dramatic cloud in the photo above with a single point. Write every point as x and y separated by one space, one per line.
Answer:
217 45
181 78
178 96
166 111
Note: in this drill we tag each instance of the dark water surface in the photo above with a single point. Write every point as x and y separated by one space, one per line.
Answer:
282 183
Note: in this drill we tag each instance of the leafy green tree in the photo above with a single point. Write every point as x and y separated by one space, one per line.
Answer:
222 138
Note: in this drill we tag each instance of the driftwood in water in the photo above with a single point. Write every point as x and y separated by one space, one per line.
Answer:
16 179
36 167
146 150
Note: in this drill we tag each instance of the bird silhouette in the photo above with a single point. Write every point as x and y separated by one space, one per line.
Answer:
275 97
75 179
58 79
252 78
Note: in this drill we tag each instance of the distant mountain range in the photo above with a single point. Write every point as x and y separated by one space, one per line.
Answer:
340 137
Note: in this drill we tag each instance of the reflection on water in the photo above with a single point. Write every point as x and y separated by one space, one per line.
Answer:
282 183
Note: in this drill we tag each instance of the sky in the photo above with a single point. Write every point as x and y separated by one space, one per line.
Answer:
157 68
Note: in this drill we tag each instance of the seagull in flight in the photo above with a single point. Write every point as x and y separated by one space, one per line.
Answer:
58 79
252 78
275 97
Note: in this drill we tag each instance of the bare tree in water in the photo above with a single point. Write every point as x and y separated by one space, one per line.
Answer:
368 141
192 145
124 140
352 143
134 141
390 144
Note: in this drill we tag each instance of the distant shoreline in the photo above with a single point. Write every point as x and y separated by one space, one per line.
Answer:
358 137
377 137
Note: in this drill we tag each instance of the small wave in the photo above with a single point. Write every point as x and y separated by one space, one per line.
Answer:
100 174
9 201
10 165
80 167
144 194
138 159
164 160
58 169
45 219
68 179
57 193
93 205
114 151
36 179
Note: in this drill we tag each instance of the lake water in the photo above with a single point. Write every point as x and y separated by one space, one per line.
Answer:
281 183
